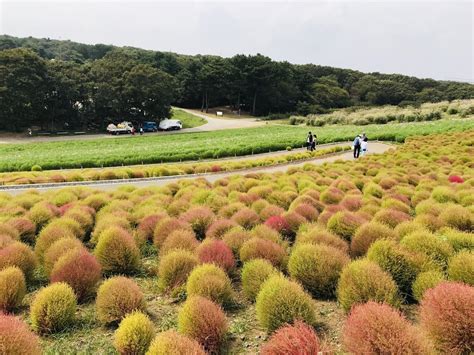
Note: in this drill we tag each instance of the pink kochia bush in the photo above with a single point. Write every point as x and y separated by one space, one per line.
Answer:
456 179
216 252
16 338
279 224
447 315
295 339
377 328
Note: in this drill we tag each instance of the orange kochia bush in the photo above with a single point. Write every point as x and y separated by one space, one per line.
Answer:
295 339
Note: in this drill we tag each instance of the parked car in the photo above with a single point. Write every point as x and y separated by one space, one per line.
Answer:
150 127
123 127
170 125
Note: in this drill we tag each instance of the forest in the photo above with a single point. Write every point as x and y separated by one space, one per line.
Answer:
63 85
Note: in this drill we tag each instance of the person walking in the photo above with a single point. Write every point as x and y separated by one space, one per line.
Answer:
356 146
364 146
309 141
313 145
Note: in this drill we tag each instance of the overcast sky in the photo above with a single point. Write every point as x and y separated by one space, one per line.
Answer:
421 38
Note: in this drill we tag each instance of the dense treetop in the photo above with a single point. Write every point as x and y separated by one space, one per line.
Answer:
67 85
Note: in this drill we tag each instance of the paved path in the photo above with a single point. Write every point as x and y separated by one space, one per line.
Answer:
215 124
375 147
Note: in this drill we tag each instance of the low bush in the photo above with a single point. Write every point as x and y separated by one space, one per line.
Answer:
246 218
391 217
344 224
199 218
372 189
216 252
295 339
458 240
443 194
40 214
12 288
446 314
165 227
134 334
48 236
254 274
16 338
20 255
317 268
53 308
179 240
279 224
174 269
5 240
458 217
461 267
281 301
219 228
58 249
376 328
331 196
438 250
117 252
147 225
80 270
235 238
117 297
424 281
367 234
210 281
307 211
204 321
362 281
258 248
171 342
25 228
320 235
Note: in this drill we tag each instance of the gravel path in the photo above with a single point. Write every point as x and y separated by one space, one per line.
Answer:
375 148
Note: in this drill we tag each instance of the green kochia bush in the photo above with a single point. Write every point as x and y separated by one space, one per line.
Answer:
210 281
432 246
174 269
344 224
254 274
364 280
134 334
424 281
171 342
12 288
282 301
53 308
461 267
317 268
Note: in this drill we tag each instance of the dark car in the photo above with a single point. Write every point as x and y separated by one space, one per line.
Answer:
150 127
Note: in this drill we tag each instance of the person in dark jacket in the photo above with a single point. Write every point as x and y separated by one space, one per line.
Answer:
310 141
356 145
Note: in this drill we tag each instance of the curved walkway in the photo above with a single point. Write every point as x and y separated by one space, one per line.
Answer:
375 148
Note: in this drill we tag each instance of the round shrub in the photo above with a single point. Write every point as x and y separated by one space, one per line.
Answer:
18 254
424 281
117 252
295 339
12 288
265 232
458 217
279 224
362 281
307 211
344 224
282 301
25 228
219 228
408 227
246 218
174 269
235 238
320 235
58 249
438 250
210 281
375 328
443 194
80 270
270 211
331 196
367 234
147 225
258 248
117 297
16 338
204 321
458 240
372 189
53 308
48 236
179 240
199 218
216 252
171 342
398 262
5 240
391 217
165 227
40 214
254 274
134 334
317 268
446 314
461 267
7 229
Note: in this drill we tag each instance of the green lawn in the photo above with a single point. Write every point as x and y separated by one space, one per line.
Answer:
188 120
193 146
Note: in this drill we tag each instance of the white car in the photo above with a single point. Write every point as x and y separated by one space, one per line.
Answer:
170 125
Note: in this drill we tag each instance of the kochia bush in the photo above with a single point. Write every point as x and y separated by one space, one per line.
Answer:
376 328
438 250
171 342
282 301
447 315
12 288
254 274
199 218
58 249
461 267
179 240
134 334
16 338
258 248
295 339
18 254
210 281
320 235
458 217
165 227
117 297
367 234
216 252
424 281
53 308
174 269
344 224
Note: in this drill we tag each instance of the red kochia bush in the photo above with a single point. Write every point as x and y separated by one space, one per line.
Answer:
376 328
80 270
16 338
447 315
147 225
279 224
295 339
25 227
456 179
216 252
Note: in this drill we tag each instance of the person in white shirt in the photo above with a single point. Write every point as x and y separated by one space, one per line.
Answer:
363 146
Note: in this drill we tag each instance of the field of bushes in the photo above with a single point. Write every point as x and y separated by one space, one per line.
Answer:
159 170
194 146
373 256
381 115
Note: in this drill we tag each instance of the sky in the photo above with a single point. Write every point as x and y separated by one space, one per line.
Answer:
420 38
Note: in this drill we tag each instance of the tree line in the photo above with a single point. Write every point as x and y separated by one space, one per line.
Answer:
61 85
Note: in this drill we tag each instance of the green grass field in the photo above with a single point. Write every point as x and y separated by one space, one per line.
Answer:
194 146
188 120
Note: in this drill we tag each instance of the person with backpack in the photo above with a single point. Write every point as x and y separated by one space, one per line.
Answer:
309 141
356 146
